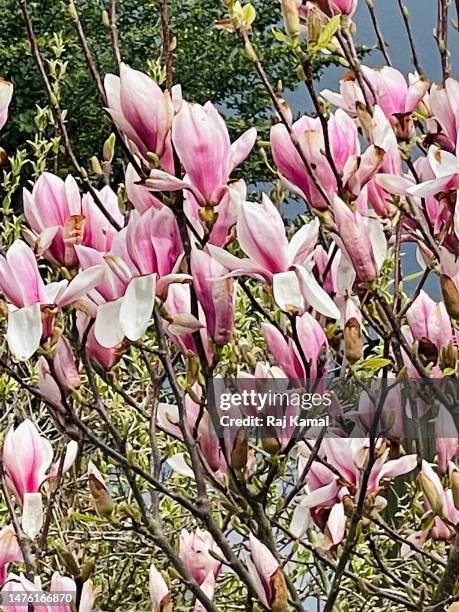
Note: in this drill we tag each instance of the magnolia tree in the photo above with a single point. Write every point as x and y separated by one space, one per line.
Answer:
150 325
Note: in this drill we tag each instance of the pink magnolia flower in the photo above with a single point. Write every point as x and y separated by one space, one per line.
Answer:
445 168
201 140
216 295
181 323
361 239
59 584
9 551
449 281
65 376
142 112
143 261
168 419
313 342
6 93
20 584
389 91
27 458
194 552
60 218
160 594
325 490
440 501
337 7
428 320
443 101
446 438
344 143
272 258
266 575
430 326
392 181
22 285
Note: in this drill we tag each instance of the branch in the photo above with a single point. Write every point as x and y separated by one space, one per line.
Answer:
58 115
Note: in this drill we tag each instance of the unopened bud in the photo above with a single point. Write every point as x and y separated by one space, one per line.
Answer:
109 148
455 488
4 159
240 450
101 497
105 19
72 11
87 570
249 52
450 295
280 593
353 347
291 18
271 445
431 493
68 560
95 166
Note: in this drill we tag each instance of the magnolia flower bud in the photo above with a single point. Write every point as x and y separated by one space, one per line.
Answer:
454 478
291 18
3 157
431 493
353 347
271 444
280 593
450 295
240 450
101 497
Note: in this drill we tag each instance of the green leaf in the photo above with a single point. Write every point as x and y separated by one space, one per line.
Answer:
376 363
328 31
248 14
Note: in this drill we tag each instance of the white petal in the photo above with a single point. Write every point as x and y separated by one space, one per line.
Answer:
24 331
32 514
456 220
137 306
378 241
287 292
107 328
315 295
301 520
179 465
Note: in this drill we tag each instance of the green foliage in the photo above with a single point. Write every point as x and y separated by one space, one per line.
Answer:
218 70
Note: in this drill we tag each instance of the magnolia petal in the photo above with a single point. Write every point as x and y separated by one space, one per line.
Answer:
301 520
287 292
396 185
137 306
24 331
83 282
241 147
107 328
178 464
397 467
32 514
378 241
185 323
336 523
315 295
163 181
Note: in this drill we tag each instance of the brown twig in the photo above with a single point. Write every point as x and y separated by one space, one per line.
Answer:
379 36
406 21
58 115
114 31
